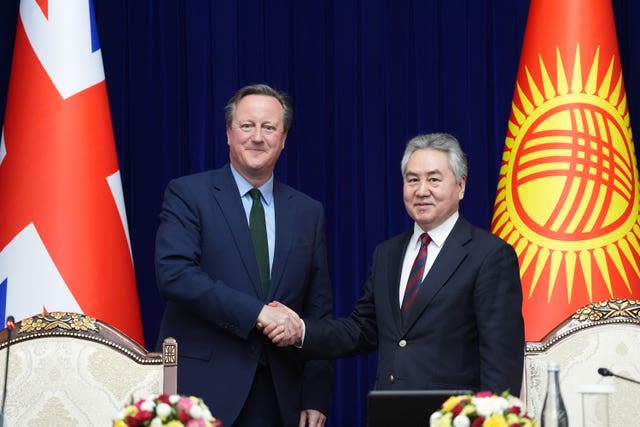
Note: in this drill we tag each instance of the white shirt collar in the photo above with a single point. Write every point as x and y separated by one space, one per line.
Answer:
438 235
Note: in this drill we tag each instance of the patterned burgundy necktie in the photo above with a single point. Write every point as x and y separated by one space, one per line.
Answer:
415 276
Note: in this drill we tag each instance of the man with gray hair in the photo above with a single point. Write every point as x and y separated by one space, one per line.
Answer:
442 304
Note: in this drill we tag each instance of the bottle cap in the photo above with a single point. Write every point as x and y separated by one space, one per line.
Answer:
552 366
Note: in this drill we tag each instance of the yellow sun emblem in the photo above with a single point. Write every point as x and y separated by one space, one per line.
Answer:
567 197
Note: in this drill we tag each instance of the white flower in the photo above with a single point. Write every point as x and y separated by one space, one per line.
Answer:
163 410
207 414
486 406
433 419
461 421
196 412
148 405
514 401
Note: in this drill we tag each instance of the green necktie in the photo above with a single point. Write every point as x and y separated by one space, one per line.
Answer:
258 229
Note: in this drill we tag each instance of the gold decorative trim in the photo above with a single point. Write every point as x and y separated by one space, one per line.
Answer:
149 359
76 325
58 320
603 310
170 352
613 311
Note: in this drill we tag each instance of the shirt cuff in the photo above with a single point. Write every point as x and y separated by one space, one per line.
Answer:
300 343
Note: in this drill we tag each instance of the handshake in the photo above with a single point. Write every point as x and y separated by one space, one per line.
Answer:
282 325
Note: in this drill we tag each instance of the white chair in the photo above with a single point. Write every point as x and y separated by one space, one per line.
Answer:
603 334
68 369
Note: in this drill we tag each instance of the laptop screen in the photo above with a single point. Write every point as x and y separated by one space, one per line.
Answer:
406 408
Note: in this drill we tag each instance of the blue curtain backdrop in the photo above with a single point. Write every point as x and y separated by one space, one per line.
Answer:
364 75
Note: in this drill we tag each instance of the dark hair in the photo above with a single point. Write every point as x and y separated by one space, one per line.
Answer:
438 141
260 89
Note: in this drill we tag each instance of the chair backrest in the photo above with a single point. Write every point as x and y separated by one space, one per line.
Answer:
603 334
74 370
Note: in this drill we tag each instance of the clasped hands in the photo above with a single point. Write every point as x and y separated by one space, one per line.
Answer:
282 325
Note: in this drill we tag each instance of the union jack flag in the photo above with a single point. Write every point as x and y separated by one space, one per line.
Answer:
64 243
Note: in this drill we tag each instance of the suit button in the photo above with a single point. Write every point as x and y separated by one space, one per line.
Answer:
391 378
402 343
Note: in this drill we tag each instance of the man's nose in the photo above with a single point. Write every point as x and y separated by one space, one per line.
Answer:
424 189
257 134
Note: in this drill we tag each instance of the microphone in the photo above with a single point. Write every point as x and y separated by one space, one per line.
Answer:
607 373
11 324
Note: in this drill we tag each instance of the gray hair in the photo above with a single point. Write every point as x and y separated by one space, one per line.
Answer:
260 89
442 142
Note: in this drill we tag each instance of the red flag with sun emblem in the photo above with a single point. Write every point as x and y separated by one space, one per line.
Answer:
567 197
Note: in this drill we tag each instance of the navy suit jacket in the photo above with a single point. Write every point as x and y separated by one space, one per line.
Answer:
464 330
207 272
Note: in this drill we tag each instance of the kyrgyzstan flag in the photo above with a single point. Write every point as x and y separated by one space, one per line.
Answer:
64 244
567 196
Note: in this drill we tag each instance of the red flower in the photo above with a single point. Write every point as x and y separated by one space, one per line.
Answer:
183 416
513 410
458 408
135 416
183 406
478 421
138 418
486 393
144 416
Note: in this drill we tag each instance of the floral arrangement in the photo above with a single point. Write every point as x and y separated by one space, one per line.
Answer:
167 410
484 409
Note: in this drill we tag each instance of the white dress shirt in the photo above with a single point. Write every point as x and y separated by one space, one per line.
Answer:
438 236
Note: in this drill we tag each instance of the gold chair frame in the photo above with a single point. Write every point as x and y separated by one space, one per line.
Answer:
71 369
601 334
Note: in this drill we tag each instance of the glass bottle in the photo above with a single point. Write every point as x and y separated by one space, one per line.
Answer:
554 413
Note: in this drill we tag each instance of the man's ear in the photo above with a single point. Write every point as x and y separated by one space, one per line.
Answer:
462 184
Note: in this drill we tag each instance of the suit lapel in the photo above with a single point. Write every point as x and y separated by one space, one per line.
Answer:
452 254
396 256
285 213
227 195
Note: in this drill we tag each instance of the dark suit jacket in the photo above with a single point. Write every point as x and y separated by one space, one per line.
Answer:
207 273
464 331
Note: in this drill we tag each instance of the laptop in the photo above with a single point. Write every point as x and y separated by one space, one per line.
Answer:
405 408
